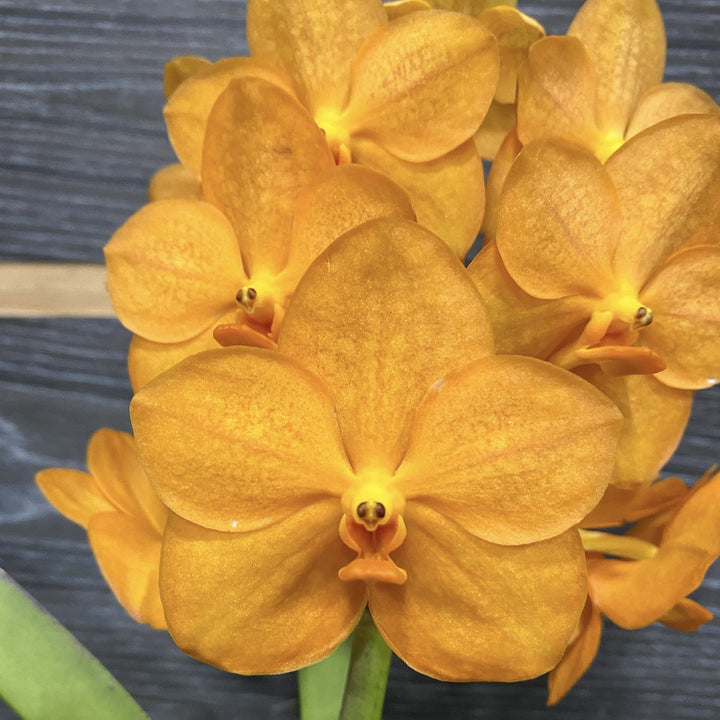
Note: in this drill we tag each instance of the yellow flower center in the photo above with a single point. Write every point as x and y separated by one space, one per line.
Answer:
628 312
257 299
373 526
336 134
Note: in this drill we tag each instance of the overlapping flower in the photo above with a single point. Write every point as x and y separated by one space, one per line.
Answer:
320 408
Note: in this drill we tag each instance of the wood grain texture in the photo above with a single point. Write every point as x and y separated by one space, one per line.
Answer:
80 134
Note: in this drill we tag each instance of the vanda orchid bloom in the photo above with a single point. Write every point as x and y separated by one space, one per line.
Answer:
272 200
402 97
347 469
618 264
123 517
650 571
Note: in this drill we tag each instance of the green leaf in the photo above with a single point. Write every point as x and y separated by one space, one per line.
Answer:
321 686
45 672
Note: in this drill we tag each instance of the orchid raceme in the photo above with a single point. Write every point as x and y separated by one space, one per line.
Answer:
316 477
650 572
620 261
404 98
123 517
272 200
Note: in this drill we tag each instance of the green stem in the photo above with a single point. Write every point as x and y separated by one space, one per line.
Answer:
321 686
368 673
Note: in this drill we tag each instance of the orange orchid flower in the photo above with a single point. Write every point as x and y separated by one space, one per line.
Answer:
349 469
651 570
616 264
404 98
272 200
123 517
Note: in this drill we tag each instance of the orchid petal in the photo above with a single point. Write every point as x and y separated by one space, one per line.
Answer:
684 297
494 129
686 615
668 182
469 610
558 222
406 287
173 268
218 588
336 202
187 110
265 441
422 84
174 181
127 550
179 69
261 148
506 470
502 162
314 43
447 194
669 100
625 40
654 419
74 493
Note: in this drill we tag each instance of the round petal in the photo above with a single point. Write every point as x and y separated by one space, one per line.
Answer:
260 602
173 268
474 611
508 466
239 438
385 311
74 493
686 304
447 194
668 182
422 84
128 553
261 148
314 43
625 40
336 202
654 419
558 222
179 69
187 110
669 100
174 181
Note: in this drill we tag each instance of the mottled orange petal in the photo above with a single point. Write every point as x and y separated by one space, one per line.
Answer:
654 419
239 438
147 359
619 507
173 268
180 69
447 194
668 100
668 181
686 616
260 602
261 149
634 594
331 204
474 611
408 291
558 222
113 461
579 655
128 553
494 129
506 466
625 40
75 494
522 324
315 43
557 87
187 111
174 181
685 300
422 84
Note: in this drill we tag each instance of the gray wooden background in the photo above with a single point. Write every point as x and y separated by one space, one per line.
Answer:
80 134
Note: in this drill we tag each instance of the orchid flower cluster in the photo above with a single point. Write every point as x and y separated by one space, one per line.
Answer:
333 415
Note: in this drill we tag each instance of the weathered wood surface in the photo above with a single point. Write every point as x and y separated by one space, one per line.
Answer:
80 134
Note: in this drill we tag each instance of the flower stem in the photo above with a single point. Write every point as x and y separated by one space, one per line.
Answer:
368 673
321 686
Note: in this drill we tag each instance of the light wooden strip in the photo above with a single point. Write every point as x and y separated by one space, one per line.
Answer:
53 290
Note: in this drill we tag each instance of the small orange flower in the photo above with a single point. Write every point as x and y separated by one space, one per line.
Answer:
123 517
347 468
